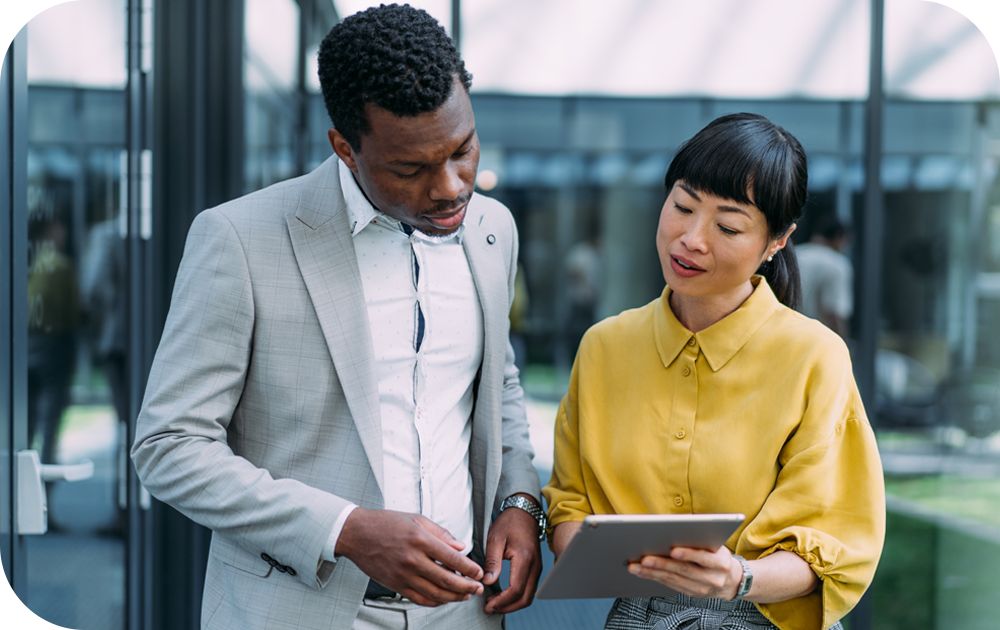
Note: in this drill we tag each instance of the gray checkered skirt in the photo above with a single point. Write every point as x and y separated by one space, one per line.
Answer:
680 612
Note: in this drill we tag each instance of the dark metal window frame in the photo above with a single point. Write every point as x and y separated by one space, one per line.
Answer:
13 288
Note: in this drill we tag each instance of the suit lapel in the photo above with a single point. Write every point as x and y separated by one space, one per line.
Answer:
488 274
321 240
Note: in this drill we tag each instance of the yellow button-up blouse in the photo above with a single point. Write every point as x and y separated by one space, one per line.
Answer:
758 413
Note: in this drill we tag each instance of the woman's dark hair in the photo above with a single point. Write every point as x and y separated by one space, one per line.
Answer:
749 159
394 56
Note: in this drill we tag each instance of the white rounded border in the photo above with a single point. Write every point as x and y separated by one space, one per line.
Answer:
984 14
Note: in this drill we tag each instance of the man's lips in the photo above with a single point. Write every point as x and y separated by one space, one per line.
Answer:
448 220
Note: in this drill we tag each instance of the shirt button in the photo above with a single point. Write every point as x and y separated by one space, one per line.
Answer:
680 434
678 501
686 371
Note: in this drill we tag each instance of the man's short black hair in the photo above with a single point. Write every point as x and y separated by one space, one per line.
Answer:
394 56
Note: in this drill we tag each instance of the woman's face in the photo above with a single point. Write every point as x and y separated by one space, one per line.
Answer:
710 246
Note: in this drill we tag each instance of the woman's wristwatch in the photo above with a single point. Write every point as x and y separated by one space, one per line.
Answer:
746 581
529 506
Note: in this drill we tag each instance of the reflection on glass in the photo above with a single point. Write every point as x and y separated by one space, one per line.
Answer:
76 308
938 370
271 28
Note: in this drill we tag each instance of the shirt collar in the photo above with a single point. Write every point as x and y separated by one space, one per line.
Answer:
722 340
361 213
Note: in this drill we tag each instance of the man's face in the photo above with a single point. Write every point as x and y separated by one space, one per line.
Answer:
418 169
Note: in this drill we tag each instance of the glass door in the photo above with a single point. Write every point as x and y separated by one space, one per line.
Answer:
74 548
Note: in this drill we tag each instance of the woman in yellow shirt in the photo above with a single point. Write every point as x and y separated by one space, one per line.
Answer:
718 397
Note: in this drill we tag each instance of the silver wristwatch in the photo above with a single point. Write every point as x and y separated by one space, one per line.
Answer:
529 506
746 581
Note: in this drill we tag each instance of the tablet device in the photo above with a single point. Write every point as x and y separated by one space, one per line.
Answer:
595 563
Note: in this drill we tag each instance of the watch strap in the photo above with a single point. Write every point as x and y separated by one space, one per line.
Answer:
529 506
746 581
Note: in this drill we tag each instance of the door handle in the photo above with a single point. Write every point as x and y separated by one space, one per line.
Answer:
32 504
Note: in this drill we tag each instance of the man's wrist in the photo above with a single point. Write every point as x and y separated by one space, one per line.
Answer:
352 524
529 504
330 552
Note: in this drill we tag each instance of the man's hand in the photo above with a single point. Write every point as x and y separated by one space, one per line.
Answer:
694 572
514 537
402 552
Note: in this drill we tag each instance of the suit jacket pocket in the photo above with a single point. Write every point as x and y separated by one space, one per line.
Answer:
236 557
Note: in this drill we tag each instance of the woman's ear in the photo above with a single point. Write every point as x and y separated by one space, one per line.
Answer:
781 241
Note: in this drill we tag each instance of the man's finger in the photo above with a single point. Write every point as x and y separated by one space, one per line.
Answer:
520 570
494 559
454 561
427 590
528 592
440 533
444 548
444 579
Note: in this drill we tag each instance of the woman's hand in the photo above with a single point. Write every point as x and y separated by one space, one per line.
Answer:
562 534
693 572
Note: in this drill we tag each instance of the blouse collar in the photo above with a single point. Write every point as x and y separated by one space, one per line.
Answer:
722 340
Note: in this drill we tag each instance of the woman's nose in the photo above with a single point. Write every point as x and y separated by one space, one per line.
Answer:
694 237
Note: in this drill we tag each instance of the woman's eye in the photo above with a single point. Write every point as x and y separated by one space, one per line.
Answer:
682 209
728 231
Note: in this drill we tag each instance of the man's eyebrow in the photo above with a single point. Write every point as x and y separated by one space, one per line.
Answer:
413 164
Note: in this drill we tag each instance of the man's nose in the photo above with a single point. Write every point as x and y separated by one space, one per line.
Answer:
448 184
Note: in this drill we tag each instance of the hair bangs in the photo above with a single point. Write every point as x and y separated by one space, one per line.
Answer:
747 159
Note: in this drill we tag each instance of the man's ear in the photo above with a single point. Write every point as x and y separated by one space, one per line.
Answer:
342 148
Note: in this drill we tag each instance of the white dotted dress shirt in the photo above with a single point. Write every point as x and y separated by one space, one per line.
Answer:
427 336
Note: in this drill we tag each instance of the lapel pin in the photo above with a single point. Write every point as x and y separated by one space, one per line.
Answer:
491 239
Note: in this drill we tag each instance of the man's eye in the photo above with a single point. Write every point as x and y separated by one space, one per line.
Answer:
408 175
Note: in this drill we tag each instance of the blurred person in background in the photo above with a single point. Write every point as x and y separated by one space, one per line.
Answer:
583 287
335 393
718 397
53 318
827 275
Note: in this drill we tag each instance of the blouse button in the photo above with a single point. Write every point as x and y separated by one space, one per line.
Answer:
678 501
692 341
811 558
686 371
680 434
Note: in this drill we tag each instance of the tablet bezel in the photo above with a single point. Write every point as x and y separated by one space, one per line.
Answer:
595 563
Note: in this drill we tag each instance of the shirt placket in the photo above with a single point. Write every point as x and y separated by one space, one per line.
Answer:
420 416
681 430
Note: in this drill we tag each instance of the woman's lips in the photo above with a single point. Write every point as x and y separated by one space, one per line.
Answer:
684 267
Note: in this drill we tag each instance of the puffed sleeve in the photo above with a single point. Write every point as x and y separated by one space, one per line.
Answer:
828 504
565 493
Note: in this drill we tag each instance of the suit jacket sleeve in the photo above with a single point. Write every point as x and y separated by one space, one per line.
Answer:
181 453
517 474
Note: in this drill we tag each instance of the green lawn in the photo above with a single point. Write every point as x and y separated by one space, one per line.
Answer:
974 499
933 577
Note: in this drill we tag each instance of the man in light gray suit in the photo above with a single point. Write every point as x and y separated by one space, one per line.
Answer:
334 394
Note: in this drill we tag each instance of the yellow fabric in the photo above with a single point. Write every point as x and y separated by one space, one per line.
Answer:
757 414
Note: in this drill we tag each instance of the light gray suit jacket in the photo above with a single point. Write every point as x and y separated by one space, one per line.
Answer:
261 415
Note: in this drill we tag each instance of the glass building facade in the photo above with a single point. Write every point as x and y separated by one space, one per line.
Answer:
123 118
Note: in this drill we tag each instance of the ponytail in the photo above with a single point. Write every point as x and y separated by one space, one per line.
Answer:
782 274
